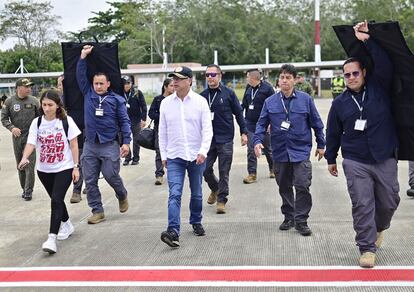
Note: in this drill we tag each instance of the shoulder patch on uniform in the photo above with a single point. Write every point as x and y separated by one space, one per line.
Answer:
16 107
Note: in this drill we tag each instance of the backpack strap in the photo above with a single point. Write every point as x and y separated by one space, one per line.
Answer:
66 127
39 121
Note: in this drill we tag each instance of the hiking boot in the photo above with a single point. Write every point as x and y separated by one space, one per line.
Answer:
135 163
49 245
251 178
303 229
171 238
96 218
271 174
287 224
367 260
410 192
221 208
212 198
126 162
159 180
199 230
123 205
66 229
27 196
76 198
380 238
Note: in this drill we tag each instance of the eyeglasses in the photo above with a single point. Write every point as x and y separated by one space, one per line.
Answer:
212 74
354 73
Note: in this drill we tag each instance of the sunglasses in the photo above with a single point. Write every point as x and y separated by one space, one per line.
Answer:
212 74
354 73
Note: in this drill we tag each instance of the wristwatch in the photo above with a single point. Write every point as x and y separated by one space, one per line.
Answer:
76 165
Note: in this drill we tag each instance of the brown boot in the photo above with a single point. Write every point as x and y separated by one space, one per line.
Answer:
123 205
96 218
158 180
212 198
221 208
251 178
76 198
367 260
380 238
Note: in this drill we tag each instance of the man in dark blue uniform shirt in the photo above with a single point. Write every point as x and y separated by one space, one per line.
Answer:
361 124
105 117
291 115
137 112
256 93
223 105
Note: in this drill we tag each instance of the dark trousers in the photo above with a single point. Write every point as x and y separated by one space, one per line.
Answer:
56 185
103 158
77 187
373 189
224 152
251 156
299 175
135 129
411 173
159 168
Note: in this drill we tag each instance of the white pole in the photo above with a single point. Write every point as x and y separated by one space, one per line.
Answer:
317 46
267 56
215 57
21 66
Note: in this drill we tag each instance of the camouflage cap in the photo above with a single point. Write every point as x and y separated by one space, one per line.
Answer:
301 74
24 82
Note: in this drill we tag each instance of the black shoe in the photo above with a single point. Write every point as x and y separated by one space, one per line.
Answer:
199 230
84 191
303 229
287 224
126 162
170 238
135 163
410 192
23 195
27 196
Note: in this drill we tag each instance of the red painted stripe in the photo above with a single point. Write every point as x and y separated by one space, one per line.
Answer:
178 275
317 32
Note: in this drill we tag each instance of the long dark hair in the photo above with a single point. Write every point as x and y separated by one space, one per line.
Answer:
53 95
165 84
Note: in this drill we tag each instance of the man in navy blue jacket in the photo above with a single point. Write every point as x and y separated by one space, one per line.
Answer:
257 91
137 112
105 117
361 124
291 115
223 105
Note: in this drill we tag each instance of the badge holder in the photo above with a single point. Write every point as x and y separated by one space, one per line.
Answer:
285 125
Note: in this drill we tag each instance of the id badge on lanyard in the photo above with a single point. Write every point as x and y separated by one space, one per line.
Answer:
360 124
99 112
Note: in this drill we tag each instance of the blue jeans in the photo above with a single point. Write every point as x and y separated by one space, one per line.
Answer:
175 173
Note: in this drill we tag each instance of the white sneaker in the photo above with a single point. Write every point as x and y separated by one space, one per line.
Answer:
50 244
66 229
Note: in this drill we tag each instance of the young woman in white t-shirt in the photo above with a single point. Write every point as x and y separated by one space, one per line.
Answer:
57 159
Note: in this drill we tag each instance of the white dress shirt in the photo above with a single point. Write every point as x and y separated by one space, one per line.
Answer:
185 128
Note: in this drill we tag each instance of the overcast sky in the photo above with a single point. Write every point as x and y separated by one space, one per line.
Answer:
74 14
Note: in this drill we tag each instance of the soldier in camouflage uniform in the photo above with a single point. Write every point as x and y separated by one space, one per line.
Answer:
17 114
302 84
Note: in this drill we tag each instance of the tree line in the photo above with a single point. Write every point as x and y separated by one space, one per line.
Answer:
190 30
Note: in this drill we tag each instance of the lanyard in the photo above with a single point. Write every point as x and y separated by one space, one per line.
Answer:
210 102
360 107
287 110
127 96
101 100
253 93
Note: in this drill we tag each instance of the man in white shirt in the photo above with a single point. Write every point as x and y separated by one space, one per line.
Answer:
185 133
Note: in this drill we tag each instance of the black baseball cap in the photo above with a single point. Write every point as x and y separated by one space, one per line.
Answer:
182 72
